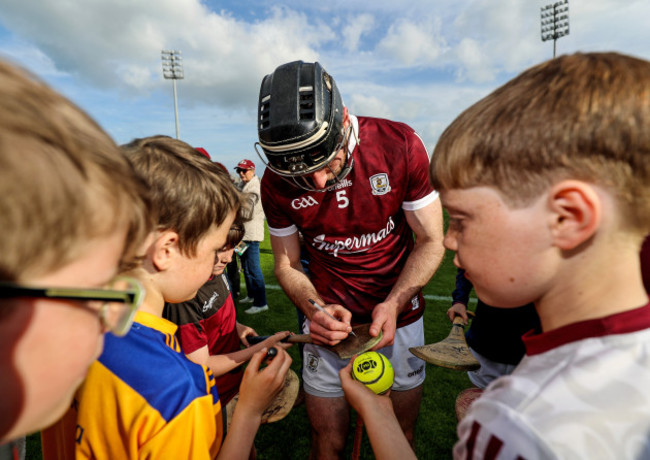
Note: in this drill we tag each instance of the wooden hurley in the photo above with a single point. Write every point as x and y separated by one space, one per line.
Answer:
452 352
281 404
354 345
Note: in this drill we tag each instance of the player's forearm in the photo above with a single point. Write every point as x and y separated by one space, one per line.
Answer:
420 266
297 287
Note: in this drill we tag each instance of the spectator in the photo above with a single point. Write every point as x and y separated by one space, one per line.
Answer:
250 257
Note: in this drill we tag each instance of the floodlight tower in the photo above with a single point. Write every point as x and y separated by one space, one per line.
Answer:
172 64
555 21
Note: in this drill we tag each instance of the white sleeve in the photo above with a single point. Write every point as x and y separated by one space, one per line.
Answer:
492 430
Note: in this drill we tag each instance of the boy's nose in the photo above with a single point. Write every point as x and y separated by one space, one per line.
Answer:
449 241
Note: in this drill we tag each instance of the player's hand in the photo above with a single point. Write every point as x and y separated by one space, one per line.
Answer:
244 331
358 395
384 318
457 309
261 384
327 331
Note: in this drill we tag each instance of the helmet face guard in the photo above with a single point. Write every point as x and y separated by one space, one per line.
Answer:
300 121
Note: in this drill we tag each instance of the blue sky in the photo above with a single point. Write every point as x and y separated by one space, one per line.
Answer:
418 61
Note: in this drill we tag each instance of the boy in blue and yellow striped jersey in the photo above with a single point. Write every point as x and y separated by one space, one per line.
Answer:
143 397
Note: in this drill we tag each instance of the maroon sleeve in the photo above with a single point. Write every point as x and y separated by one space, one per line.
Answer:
418 169
191 337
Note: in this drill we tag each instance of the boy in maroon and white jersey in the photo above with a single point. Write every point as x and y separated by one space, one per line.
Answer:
547 185
357 190
208 330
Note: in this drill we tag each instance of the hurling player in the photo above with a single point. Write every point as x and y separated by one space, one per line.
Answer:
357 190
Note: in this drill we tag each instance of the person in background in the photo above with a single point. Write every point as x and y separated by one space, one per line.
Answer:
72 210
250 257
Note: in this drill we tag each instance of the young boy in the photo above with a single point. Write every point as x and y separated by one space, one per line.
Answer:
208 330
547 184
71 209
143 398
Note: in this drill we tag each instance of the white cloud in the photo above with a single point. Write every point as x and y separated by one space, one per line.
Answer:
356 27
475 64
413 43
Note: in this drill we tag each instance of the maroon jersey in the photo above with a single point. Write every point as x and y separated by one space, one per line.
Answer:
356 233
210 319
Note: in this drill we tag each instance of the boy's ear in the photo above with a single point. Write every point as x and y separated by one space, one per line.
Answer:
576 211
164 248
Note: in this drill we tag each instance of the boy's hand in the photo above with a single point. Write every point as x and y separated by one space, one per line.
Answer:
358 395
458 309
244 331
261 384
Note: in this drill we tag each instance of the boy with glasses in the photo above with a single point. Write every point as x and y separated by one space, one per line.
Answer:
143 397
71 210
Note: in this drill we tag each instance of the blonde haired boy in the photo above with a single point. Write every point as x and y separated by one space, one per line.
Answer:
144 398
547 185
71 209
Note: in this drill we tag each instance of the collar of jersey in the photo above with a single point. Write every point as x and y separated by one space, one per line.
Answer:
155 322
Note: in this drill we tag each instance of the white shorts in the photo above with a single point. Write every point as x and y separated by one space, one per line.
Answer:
489 370
320 372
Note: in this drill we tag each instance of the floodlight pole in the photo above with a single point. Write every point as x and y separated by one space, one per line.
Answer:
555 21
172 64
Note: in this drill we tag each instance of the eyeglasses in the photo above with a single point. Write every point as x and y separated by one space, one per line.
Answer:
119 303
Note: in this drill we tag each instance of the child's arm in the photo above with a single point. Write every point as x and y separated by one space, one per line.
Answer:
460 296
221 364
384 431
243 332
258 388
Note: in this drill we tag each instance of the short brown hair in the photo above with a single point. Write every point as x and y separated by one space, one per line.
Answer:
63 181
582 116
189 192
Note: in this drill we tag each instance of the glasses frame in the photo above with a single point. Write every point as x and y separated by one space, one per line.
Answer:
131 297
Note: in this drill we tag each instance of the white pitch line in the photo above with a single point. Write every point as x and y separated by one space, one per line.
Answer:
427 296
